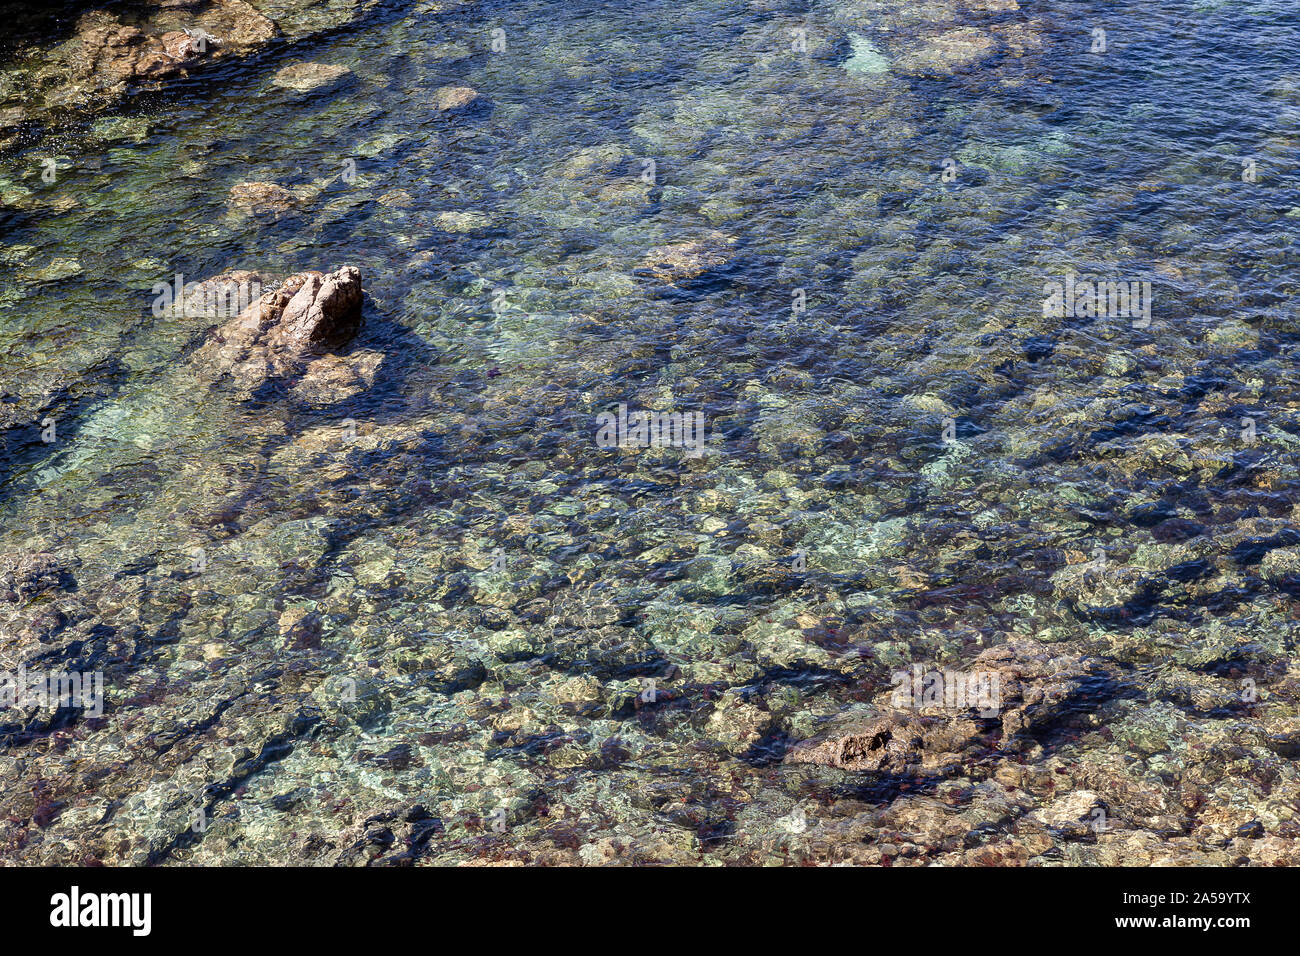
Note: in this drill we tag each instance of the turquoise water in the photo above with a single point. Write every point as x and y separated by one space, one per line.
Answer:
436 620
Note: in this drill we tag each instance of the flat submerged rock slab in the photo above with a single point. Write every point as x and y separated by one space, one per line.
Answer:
305 77
866 58
946 53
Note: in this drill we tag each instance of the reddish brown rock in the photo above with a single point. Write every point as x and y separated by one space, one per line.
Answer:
325 309
286 330
106 59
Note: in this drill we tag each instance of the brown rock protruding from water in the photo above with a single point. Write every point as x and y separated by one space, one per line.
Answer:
106 57
285 330
325 309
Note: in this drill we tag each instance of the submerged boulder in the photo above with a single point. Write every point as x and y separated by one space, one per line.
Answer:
308 76
257 198
448 99
12 121
893 742
591 161
462 221
945 53
219 297
332 378
864 56
27 573
686 260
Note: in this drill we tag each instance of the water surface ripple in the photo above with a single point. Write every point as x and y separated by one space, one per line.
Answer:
433 619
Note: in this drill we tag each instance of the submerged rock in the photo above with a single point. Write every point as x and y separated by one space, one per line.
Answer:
278 334
332 378
590 184
12 120
450 51
895 742
466 221
600 161
28 573
220 297
119 128
451 98
235 25
686 260
258 198
1097 585
628 191
59 268
865 57
948 52
397 199
305 77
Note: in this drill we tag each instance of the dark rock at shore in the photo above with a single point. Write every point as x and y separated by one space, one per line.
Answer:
142 46
108 58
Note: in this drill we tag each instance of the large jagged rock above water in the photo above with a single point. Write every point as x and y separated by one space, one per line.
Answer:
286 330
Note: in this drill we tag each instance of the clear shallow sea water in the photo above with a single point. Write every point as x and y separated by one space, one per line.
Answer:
472 634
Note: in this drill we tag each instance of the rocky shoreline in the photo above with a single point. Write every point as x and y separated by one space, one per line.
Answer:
137 47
